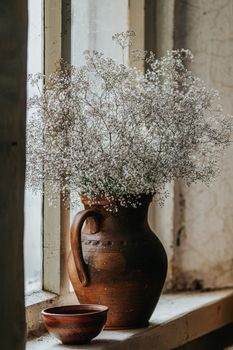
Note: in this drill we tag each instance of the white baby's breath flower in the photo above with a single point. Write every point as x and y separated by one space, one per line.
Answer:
107 130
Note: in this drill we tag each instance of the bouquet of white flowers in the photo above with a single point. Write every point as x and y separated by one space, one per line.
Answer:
109 130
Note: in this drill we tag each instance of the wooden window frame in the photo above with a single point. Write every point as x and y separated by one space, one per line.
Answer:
57 44
56 220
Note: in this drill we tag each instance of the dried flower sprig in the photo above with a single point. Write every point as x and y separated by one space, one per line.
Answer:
108 130
124 40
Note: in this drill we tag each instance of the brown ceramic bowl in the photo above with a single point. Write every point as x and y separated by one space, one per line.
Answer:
75 324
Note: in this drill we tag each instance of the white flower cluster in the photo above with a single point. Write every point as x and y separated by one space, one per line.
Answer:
108 130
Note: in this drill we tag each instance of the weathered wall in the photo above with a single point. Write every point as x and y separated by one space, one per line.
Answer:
13 37
204 233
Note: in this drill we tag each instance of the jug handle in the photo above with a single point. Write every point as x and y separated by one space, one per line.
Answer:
76 242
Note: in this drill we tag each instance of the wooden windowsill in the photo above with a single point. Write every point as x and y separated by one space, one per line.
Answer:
178 319
37 301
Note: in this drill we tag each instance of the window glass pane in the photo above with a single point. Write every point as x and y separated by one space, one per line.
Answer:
33 202
93 25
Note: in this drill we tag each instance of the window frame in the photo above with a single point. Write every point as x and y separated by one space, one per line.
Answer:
57 29
56 220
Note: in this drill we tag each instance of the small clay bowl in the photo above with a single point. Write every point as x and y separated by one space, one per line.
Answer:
75 324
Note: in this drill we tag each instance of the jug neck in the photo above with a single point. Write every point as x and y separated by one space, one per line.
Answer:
103 206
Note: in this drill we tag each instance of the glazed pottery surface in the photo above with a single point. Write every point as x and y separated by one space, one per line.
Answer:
75 324
117 261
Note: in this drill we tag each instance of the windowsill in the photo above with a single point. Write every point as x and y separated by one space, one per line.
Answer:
37 301
38 297
178 319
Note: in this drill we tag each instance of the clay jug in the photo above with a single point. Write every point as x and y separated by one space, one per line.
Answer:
117 261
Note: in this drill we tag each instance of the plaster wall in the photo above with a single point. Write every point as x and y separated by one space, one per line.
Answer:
204 229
